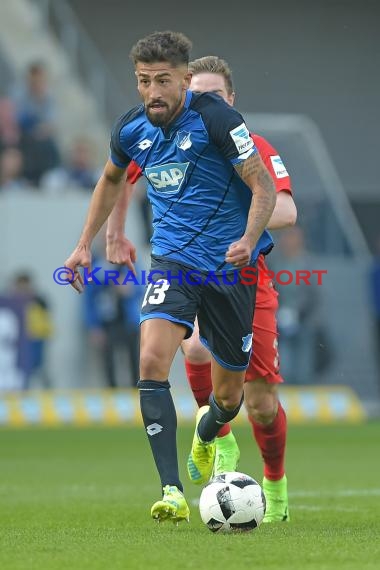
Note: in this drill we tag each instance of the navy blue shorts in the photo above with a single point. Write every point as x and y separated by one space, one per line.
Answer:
223 304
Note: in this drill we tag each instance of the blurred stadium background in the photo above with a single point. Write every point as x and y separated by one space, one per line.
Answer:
306 76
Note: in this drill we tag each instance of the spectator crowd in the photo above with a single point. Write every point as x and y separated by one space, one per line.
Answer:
30 153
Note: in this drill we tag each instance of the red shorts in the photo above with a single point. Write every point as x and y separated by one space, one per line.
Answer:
265 362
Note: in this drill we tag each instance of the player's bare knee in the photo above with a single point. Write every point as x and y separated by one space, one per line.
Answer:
195 352
230 402
261 400
262 410
264 417
153 365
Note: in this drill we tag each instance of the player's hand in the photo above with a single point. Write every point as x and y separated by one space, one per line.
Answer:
239 252
121 251
81 257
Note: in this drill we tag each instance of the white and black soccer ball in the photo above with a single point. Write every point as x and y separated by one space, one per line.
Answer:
232 502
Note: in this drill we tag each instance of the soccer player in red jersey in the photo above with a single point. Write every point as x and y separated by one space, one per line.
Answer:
265 413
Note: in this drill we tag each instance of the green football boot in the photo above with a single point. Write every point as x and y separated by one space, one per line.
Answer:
200 463
227 454
172 507
276 496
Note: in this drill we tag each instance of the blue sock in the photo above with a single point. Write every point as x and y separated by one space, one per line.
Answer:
211 422
160 421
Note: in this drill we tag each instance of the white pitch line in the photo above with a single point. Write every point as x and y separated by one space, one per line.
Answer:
337 493
324 494
316 508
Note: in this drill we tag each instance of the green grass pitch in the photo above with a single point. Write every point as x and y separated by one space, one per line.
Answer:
79 499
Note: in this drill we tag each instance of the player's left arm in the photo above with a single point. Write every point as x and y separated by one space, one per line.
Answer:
229 132
256 176
284 213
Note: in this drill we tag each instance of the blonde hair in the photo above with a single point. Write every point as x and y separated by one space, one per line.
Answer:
213 64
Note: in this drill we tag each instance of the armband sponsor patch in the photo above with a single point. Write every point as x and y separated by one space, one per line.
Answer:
242 139
278 166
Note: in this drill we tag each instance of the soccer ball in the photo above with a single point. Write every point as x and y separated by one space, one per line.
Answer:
232 502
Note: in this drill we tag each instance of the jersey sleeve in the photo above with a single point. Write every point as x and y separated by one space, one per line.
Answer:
134 172
226 128
118 156
274 164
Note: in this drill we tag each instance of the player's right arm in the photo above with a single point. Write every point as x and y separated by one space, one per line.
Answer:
105 195
106 192
119 249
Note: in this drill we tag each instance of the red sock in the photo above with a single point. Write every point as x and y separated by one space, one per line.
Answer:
271 440
199 378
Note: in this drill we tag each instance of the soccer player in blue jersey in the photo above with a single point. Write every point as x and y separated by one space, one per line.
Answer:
211 198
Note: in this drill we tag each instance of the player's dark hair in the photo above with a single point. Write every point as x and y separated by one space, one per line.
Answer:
171 47
213 64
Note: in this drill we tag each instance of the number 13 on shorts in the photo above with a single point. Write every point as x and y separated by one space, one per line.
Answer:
156 292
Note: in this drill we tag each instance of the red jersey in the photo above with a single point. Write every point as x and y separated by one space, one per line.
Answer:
274 164
133 172
266 297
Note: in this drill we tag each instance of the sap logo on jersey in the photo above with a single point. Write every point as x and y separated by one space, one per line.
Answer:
242 139
278 167
167 178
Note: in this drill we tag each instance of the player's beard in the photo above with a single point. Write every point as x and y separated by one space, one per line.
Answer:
163 118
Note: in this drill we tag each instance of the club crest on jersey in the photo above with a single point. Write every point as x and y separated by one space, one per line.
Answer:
167 178
183 140
247 343
242 139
